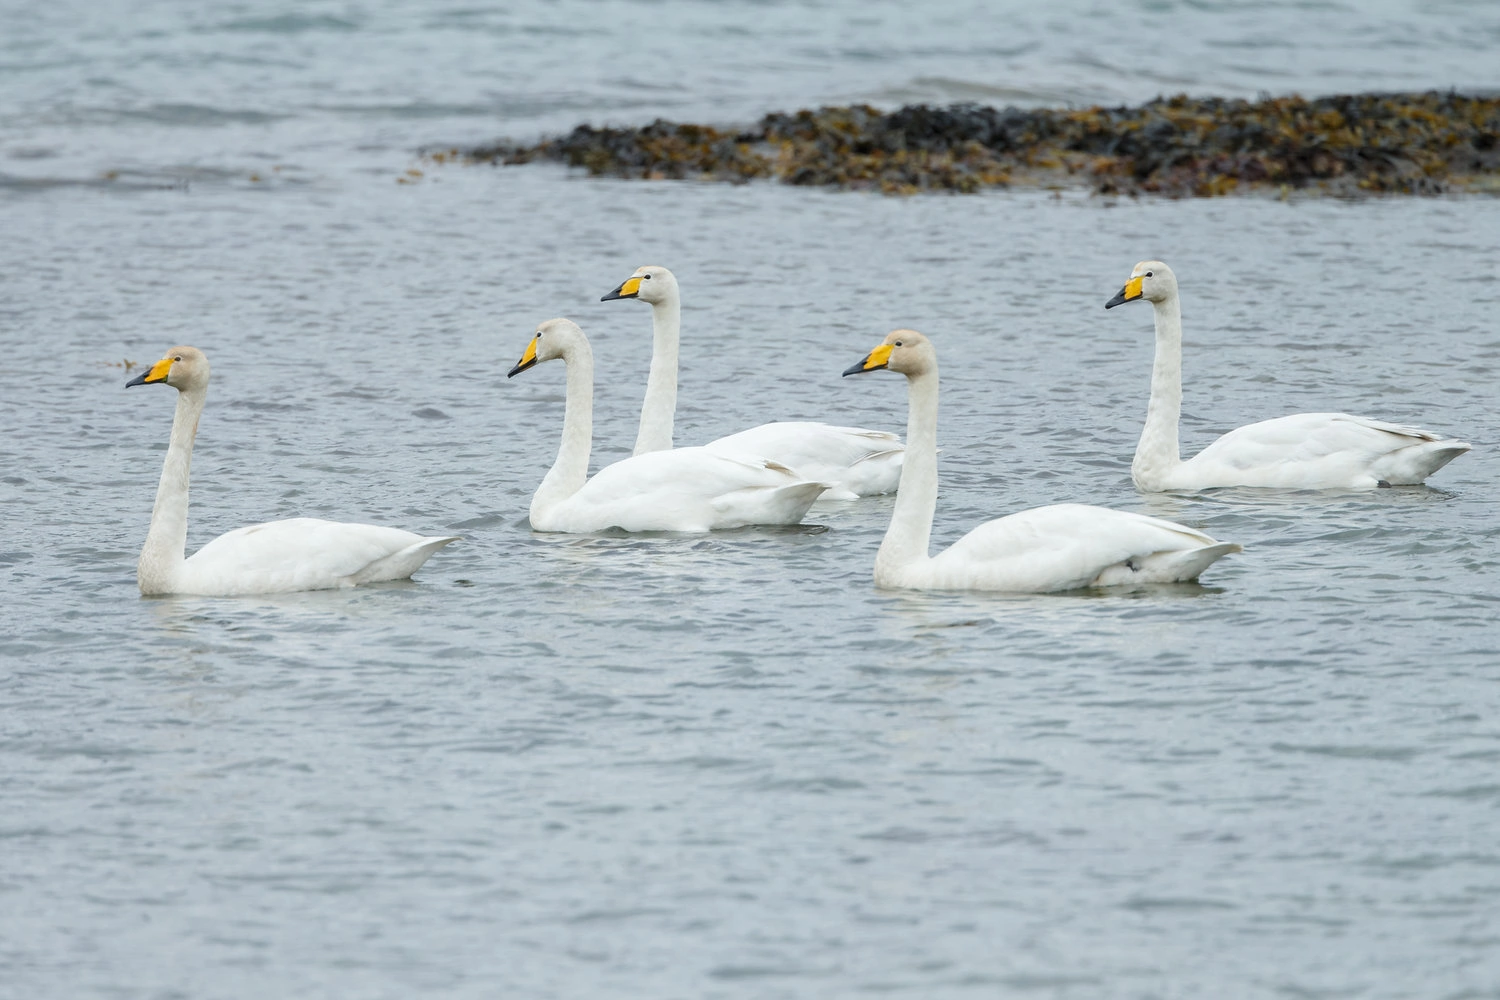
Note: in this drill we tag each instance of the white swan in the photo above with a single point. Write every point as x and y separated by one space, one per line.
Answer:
1309 451
857 462
303 553
690 489
1062 547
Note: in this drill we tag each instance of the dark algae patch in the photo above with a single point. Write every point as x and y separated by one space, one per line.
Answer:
1427 143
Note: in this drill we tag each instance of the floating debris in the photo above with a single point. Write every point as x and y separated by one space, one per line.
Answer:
1425 143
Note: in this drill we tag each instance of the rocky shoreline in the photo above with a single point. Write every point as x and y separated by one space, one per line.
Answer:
1349 145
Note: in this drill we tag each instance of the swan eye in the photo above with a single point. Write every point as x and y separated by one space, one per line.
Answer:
896 344
178 358
645 277
1149 274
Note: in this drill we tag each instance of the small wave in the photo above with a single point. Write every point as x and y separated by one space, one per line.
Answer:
930 88
289 24
198 115
17 183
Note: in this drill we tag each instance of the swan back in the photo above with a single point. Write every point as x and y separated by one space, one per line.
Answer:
1069 546
303 553
856 461
685 489
1318 451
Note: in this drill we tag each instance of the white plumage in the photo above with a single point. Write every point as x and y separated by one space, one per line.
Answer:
854 461
302 553
1070 546
1302 451
688 489
857 462
1061 547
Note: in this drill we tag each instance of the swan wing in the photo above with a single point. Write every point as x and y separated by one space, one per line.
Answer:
686 489
856 461
1321 451
304 553
1068 546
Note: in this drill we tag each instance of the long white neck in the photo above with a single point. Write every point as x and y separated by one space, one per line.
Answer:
162 555
661 388
906 540
1156 453
571 470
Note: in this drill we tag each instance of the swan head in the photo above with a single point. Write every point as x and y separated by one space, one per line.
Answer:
1151 280
182 368
649 284
556 338
904 351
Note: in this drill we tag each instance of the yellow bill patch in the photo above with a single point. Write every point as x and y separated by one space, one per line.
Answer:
631 287
530 356
878 358
158 372
1133 288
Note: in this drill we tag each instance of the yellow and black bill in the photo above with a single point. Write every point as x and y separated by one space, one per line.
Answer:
629 289
875 360
527 360
1129 293
156 373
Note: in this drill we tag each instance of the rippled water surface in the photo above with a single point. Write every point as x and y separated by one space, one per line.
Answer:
721 766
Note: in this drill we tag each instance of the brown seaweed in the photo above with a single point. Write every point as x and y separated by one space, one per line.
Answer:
1419 143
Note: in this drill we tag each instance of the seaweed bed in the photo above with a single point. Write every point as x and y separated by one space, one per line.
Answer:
1422 143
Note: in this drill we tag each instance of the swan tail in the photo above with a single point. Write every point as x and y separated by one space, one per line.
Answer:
401 564
771 504
870 475
1184 565
873 475
1170 566
795 500
1411 465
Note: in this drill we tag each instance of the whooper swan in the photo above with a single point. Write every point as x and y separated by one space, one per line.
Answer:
303 553
690 489
1308 451
1062 547
857 462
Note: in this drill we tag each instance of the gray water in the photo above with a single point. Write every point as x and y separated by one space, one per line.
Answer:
720 766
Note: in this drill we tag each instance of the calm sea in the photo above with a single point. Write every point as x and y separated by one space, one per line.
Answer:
725 766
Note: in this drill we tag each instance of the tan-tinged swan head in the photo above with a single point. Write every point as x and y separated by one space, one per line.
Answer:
182 368
651 284
903 351
554 338
1150 280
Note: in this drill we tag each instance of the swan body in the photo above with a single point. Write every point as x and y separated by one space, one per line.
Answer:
687 489
1045 549
1310 451
1303 451
857 462
302 553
